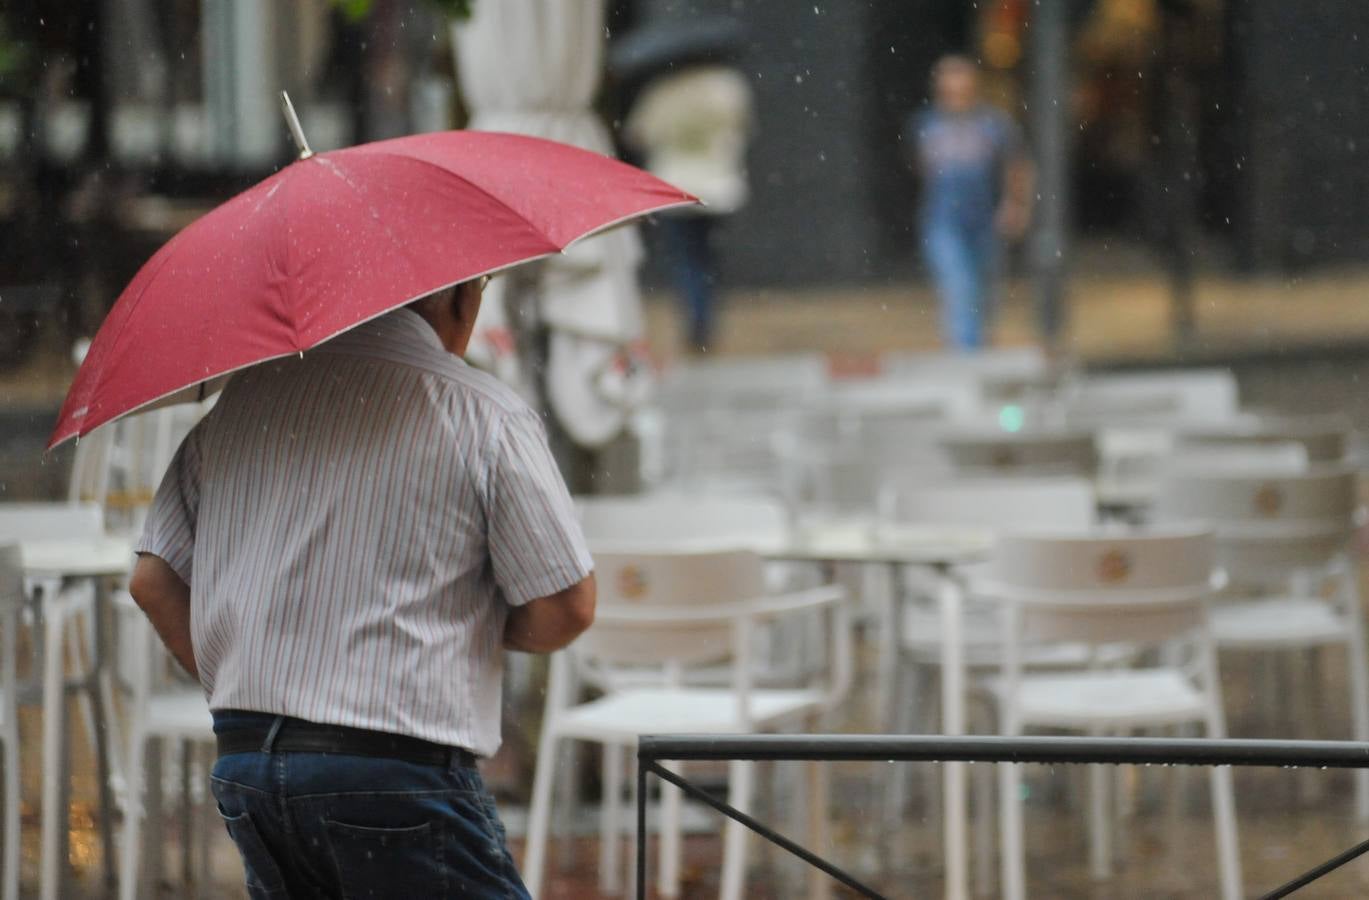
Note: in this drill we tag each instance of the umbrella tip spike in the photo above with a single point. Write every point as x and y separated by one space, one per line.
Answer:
296 130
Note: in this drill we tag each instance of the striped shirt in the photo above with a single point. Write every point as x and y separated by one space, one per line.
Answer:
354 525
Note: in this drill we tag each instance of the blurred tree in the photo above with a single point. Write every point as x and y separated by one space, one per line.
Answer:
356 10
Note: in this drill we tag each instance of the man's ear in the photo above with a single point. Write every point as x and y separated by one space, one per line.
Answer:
466 301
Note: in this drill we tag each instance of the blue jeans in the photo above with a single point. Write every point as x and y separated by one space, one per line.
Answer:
963 259
314 825
689 245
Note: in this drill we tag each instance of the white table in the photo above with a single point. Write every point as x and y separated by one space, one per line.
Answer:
939 550
58 563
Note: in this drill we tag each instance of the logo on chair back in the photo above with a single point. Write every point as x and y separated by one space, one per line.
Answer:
631 583
1269 501
1114 567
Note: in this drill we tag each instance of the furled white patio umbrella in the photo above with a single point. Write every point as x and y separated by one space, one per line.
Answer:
532 67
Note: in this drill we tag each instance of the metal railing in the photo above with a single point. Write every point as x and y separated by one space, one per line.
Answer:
653 750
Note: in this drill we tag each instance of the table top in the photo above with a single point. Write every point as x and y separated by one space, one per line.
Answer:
842 540
861 541
78 557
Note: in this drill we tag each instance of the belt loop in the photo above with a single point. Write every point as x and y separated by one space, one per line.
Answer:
270 741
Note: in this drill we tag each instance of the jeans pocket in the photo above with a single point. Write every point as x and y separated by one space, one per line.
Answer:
387 862
263 876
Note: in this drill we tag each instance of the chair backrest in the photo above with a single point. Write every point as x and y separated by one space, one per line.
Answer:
1062 452
1325 494
997 363
1194 395
1266 523
90 466
1324 439
1282 457
50 521
668 584
669 519
992 503
1103 585
735 380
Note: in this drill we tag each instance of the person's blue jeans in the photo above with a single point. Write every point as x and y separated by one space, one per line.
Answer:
963 260
690 249
314 825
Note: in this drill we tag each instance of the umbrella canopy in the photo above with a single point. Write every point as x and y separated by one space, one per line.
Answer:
336 239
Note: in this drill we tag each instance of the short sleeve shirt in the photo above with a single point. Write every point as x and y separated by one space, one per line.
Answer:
355 524
961 159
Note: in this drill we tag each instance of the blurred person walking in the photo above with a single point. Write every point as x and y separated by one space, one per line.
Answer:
692 125
368 526
976 182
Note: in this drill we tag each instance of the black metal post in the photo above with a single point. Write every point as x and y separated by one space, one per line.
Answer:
1049 113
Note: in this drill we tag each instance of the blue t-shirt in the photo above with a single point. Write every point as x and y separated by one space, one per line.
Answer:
960 158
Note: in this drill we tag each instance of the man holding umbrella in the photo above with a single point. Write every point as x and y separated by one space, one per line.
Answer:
354 519
344 547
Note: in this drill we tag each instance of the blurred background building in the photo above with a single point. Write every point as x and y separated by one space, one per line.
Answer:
1203 139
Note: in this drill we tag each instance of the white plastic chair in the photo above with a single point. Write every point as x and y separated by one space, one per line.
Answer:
675 611
157 709
1182 395
674 520
914 643
1323 439
1101 588
1281 539
1034 452
11 601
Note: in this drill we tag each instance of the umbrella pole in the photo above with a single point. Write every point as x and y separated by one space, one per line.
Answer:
296 130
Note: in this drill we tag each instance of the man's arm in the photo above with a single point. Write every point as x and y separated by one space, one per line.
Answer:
165 598
550 623
1014 210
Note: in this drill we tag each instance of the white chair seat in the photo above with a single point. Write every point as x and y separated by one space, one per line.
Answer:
1277 622
624 715
180 713
1128 698
982 644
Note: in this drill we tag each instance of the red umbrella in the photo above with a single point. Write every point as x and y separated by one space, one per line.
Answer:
333 240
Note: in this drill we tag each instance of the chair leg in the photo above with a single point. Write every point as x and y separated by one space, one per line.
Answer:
981 784
1100 830
565 805
133 819
896 797
154 812
1358 660
1013 853
1223 800
9 863
610 826
668 872
819 835
539 814
1228 851
740 774
207 818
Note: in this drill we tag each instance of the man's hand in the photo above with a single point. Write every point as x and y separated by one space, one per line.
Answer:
550 623
165 598
1012 219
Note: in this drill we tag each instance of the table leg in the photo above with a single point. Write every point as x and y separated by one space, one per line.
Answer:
52 859
952 724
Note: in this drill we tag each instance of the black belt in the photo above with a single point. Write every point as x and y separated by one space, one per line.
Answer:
297 736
